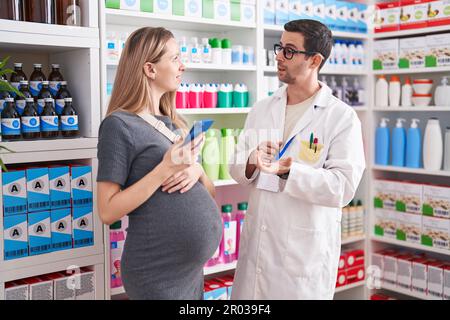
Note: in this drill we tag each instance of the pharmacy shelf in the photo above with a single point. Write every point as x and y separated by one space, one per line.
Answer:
220 268
353 240
413 109
49 145
413 71
45 156
46 37
350 286
206 67
224 183
405 292
276 30
412 32
410 245
215 111
136 18
325 71
410 170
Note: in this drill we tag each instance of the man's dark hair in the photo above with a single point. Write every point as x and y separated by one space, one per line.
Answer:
318 38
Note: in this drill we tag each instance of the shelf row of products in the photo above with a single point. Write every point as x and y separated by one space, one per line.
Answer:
412 212
221 10
412 271
410 53
351 267
352 223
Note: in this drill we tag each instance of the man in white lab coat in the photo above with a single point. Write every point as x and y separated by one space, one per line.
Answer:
291 243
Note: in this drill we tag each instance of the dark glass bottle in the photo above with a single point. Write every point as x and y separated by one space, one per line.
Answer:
10 121
17 76
40 11
3 95
44 94
69 120
55 78
21 101
36 79
11 10
49 120
63 93
68 12
30 121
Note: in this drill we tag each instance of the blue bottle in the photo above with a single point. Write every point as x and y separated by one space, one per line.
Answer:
399 144
413 145
382 143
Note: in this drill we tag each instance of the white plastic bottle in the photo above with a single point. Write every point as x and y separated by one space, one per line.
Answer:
196 52
407 92
447 150
112 45
345 54
122 41
206 51
331 62
433 146
360 54
381 92
394 91
338 53
352 56
360 93
184 51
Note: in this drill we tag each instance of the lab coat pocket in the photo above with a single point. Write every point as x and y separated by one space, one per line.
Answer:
310 155
306 252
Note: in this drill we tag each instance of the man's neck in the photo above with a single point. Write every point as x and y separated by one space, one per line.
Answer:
297 93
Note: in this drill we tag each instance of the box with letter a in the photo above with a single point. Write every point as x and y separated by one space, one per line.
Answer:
61 221
83 227
38 190
14 187
15 235
39 231
81 183
60 195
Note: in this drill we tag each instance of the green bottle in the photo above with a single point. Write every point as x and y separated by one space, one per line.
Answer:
226 150
211 155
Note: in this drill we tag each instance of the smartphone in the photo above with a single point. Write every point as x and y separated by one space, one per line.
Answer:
197 129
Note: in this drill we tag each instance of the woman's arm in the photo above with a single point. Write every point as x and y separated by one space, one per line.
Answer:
113 204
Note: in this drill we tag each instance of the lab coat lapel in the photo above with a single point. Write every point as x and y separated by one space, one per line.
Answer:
278 111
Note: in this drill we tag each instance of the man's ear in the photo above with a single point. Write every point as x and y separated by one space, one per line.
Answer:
150 71
317 60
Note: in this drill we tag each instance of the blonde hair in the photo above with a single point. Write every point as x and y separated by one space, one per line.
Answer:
131 90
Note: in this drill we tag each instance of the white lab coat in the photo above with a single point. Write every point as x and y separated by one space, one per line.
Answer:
291 241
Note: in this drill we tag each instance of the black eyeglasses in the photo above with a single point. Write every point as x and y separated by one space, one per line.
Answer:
289 53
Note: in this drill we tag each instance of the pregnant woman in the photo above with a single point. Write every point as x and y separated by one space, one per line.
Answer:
146 173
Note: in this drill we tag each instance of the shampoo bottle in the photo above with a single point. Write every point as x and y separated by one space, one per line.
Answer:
399 144
414 145
382 143
433 146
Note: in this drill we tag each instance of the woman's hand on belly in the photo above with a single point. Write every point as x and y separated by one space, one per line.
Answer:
183 180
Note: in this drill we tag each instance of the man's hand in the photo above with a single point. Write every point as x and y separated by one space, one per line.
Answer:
263 158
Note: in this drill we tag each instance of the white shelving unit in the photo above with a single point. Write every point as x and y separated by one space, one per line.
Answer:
77 50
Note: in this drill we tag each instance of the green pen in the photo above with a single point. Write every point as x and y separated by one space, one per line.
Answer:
311 139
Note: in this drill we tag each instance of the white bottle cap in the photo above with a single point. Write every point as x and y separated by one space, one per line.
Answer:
45 82
9 99
37 65
55 66
399 122
68 99
29 100
49 100
384 122
64 83
205 41
24 82
414 123
18 65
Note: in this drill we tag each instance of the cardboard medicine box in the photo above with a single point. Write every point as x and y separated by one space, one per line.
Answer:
387 17
439 13
409 198
436 232
386 194
409 227
413 14
386 223
412 53
438 50
14 186
436 201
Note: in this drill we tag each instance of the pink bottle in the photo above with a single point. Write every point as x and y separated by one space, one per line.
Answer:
195 96
228 250
182 98
240 216
210 95
117 240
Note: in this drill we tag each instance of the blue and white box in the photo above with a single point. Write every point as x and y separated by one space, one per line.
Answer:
281 12
307 9
60 195
269 12
61 220
341 15
330 14
319 10
38 190
222 10
362 17
248 11
353 17
295 10
81 185
14 186
15 235
39 233
162 6
83 227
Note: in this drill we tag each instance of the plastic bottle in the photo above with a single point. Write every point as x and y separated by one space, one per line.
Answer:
226 52
117 240
442 93
229 234
433 146
225 96
122 41
407 92
240 217
382 143
414 145
21 101
399 144
211 155
17 76
10 121
195 96
36 79
249 56
182 96
49 120
240 96
339 55
196 52
447 150
381 92
112 47
63 93
184 51
30 121
359 93
210 96
226 150
216 51
323 79
352 56
55 78
345 54
44 94
206 51
360 55
237 55
394 91
337 90
69 12
3 95
69 120
347 91
11 10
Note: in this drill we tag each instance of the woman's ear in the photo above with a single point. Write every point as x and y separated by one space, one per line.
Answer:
149 70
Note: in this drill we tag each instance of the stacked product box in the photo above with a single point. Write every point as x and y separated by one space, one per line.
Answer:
40 206
352 223
409 207
218 288
386 218
53 286
351 267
